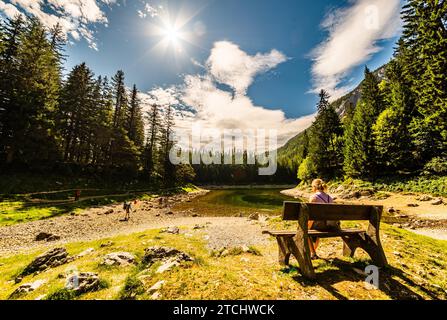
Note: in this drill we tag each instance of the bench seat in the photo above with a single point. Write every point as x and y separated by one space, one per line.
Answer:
316 233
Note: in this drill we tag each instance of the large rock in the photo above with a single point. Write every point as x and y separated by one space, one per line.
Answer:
51 259
164 254
28 287
44 236
118 259
83 282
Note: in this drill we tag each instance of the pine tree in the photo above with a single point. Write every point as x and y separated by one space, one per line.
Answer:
359 151
324 149
423 51
391 131
12 37
135 125
35 138
166 166
76 114
121 100
123 152
153 135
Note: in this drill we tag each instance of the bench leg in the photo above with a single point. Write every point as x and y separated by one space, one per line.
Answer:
350 245
365 242
284 252
301 251
375 251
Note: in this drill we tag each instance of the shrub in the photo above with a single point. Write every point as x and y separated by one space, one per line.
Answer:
306 170
437 166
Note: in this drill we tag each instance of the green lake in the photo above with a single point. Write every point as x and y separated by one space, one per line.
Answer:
231 202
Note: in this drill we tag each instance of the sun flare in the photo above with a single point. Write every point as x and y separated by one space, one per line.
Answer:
171 34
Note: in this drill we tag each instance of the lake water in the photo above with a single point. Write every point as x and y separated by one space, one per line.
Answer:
231 202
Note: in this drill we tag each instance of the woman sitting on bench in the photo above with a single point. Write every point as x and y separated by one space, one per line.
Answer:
319 188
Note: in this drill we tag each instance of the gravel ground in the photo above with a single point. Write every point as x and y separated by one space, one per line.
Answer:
94 224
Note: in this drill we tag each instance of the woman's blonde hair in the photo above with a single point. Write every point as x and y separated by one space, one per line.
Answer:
319 185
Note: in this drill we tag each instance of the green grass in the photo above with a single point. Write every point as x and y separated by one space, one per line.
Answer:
417 269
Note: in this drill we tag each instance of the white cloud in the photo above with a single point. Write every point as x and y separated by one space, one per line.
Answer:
229 65
216 108
353 38
9 9
149 11
75 16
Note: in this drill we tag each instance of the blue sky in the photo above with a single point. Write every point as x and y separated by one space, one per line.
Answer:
292 47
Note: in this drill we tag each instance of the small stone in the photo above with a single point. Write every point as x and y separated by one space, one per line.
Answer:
254 216
156 287
391 210
118 259
167 266
438 202
424 198
171 230
197 227
156 296
397 254
109 212
85 252
164 254
224 253
195 215
412 205
107 244
366 193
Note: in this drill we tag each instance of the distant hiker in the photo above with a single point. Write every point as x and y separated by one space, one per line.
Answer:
77 195
128 209
319 188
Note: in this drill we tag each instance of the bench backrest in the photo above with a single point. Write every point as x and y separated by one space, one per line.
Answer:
329 212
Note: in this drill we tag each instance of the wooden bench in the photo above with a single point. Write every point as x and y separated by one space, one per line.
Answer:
297 243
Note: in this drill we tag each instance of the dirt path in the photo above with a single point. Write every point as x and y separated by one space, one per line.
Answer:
421 217
104 222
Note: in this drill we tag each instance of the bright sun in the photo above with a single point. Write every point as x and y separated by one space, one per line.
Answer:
171 34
